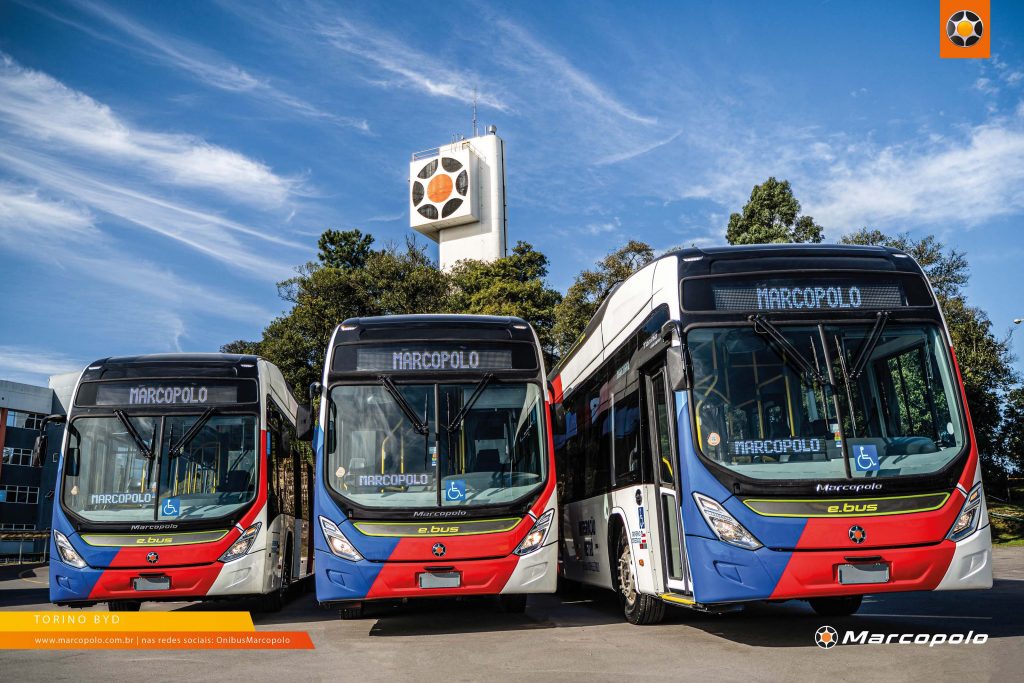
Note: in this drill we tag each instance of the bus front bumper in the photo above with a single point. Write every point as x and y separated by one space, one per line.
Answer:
730 574
69 585
339 580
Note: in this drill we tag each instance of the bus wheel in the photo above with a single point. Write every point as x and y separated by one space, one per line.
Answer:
639 608
351 611
124 606
274 600
513 603
836 607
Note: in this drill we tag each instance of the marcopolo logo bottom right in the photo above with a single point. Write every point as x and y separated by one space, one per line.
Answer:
826 637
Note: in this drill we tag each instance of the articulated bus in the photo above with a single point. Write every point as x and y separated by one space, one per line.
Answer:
435 470
768 423
181 478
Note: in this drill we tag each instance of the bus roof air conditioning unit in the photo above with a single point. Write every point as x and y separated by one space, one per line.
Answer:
442 190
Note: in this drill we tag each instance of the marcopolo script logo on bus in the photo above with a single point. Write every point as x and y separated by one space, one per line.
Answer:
150 395
784 298
435 360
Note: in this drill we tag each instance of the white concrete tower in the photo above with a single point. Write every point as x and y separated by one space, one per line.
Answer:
457 198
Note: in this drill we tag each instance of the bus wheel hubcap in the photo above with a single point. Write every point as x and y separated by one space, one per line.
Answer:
626 577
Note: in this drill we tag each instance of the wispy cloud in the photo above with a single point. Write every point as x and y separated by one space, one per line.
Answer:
638 151
203 64
406 66
41 108
562 70
966 181
33 365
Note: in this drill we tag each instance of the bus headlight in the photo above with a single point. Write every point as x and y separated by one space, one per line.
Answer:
337 542
67 552
725 525
535 539
970 515
241 547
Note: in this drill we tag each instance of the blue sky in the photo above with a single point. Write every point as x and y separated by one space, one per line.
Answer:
162 165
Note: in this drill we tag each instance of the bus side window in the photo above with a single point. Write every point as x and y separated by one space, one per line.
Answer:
627 451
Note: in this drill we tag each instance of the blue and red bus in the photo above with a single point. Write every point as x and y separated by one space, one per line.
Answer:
435 470
181 477
782 422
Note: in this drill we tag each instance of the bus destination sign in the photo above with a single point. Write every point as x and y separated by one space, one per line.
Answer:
431 358
816 295
159 393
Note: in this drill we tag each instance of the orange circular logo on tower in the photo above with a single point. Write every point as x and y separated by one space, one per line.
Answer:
440 188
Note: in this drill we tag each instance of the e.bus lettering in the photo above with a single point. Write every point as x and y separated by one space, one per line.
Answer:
148 395
435 360
785 298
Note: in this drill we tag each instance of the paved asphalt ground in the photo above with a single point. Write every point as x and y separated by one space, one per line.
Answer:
581 636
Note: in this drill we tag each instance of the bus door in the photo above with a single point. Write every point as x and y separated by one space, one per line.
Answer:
661 418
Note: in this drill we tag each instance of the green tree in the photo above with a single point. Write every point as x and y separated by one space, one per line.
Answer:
514 285
241 346
985 360
585 295
1011 435
344 248
771 215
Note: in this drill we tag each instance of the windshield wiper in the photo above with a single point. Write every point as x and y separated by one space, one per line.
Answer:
468 405
763 326
146 450
868 347
176 449
419 425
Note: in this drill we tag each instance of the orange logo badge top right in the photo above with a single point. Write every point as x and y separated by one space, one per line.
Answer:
965 30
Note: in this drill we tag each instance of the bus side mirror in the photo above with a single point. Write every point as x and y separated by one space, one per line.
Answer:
39 448
676 365
314 391
304 424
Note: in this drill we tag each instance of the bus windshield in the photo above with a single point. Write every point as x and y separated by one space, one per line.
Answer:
480 444
125 477
765 406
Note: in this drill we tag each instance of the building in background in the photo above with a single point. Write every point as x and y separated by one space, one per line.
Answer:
457 198
26 492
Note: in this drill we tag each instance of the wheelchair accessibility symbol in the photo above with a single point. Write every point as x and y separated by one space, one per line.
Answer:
456 490
866 458
171 507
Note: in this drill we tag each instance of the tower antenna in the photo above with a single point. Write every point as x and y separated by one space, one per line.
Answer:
474 112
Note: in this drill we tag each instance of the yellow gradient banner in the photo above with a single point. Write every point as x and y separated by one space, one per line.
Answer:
92 622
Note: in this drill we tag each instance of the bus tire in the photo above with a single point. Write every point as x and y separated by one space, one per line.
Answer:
640 609
842 606
124 606
274 600
513 603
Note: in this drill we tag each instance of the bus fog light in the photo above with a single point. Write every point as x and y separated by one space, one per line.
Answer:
538 534
67 552
241 547
970 515
724 525
337 542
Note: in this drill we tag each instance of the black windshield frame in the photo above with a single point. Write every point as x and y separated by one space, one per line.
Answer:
943 479
518 506
219 522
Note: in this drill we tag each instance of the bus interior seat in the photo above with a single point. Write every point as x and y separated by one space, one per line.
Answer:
488 460
237 481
